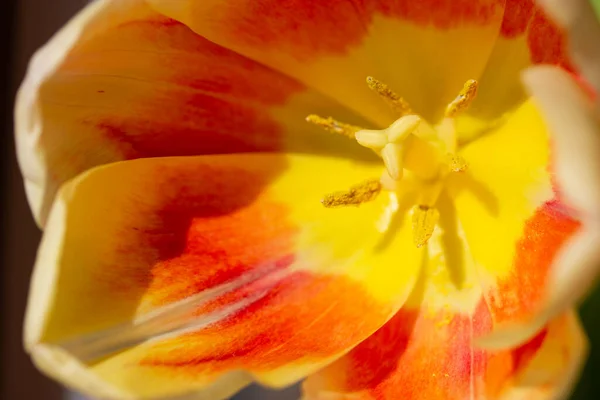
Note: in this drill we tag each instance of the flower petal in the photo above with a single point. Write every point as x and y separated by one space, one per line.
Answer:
527 37
575 130
164 276
579 19
514 223
423 50
419 355
121 81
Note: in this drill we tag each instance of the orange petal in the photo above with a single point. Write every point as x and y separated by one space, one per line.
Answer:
422 356
121 81
165 276
424 50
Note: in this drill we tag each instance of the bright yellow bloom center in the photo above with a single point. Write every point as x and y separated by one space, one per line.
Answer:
415 154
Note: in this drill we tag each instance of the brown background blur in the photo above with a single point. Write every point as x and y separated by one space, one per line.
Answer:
25 25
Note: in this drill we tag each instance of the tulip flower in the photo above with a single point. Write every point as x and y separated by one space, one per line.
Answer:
351 192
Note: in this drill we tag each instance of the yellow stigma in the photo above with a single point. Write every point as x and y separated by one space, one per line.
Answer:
463 100
397 103
333 126
355 196
424 220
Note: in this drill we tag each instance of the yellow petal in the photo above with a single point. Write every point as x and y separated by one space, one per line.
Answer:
514 223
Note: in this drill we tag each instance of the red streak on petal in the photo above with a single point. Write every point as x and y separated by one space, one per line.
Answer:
209 225
418 354
520 295
182 124
299 27
302 316
214 235
206 99
524 353
443 14
517 15
306 29
547 42
191 60
425 354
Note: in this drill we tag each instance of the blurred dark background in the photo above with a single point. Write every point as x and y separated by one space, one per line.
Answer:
24 26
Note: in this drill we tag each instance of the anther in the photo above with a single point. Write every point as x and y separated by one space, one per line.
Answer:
424 220
463 100
333 126
355 196
397 103
456 163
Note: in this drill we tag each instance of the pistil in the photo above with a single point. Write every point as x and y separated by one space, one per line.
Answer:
389 143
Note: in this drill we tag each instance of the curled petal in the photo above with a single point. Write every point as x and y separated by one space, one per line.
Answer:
580 20
576 133
172 276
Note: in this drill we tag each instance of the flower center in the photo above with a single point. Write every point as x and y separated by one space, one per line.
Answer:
415 154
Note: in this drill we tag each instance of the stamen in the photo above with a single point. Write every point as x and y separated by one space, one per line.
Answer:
456 163
463 100
334 126
355 196
424 219
397 103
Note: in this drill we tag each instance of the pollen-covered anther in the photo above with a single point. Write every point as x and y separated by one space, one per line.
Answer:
334 126
355 196
424 220
463 100
397 103
456 163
